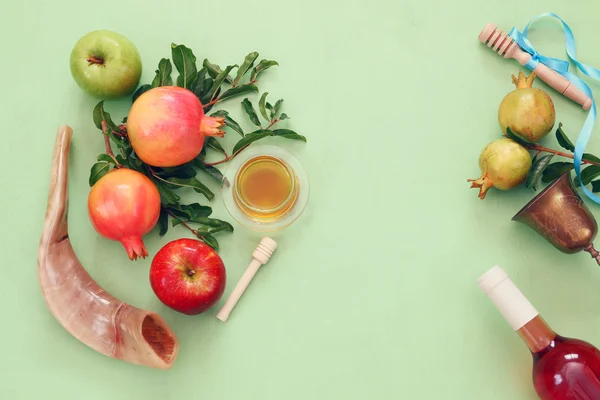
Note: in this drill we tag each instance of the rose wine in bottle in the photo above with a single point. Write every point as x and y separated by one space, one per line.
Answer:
563 368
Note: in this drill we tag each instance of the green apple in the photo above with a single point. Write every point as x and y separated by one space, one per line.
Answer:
106 64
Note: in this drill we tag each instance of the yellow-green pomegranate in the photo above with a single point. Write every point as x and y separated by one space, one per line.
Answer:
527 111
504 164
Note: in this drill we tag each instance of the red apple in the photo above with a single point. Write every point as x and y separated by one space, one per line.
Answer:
188 276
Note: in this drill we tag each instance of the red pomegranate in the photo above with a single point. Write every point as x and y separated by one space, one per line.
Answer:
124 205
167 126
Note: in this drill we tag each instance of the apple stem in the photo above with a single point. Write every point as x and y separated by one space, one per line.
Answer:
96 60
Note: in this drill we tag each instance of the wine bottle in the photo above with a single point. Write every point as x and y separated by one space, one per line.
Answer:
563 368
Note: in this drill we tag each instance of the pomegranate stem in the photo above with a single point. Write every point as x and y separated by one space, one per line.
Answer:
107 144
214 101
227 158
195 232
540 148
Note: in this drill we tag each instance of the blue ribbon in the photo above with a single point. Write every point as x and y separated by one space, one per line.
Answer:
562 67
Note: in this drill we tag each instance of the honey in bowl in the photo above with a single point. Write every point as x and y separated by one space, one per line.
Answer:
266 188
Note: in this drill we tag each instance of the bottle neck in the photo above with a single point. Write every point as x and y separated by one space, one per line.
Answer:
537 334
520 314
508 299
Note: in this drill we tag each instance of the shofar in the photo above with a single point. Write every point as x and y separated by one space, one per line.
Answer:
80 305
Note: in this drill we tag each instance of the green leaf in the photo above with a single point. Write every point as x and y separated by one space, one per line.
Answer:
596 186
218 82
185 62
120 141
163 222
196 210
516 138
229 121
97 171
125 162
212 231
100 115
220 113
166 194
208 239
214 144
234 125
236 91
283 116
106 158
194 183
208 82
276 108
555 170
249 108
589 173
176 221
245 67
262 65
214 70
536 170
591 157
163 74
184 171
213 223
262 106
288 134
130 161
250 138
199 84
209 170
189 211
141 90
563 139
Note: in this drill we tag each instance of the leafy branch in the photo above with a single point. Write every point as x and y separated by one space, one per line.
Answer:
212 85
271 118
543 170
199 215
207 83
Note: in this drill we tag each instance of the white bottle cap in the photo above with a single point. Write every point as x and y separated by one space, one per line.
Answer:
508 299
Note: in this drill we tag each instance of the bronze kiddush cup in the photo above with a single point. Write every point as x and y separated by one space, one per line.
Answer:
559 214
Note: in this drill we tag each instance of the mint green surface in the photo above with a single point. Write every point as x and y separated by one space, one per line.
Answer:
372 293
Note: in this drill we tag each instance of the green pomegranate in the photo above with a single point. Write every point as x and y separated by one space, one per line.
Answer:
504 164
527 111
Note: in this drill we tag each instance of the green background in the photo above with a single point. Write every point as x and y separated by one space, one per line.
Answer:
373 291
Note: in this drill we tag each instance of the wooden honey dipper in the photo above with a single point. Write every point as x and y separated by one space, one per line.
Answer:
260 256
506 46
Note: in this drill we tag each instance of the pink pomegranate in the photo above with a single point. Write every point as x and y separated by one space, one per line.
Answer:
167 126
124 205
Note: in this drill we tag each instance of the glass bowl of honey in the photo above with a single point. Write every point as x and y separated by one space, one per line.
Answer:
265 188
